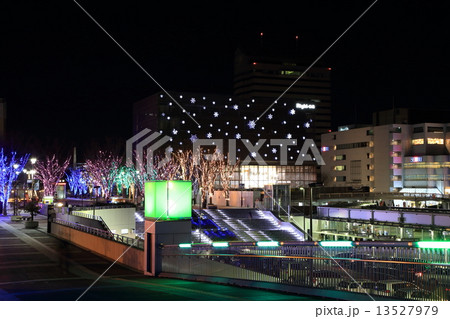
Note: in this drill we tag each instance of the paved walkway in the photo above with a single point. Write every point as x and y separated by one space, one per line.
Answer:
37 266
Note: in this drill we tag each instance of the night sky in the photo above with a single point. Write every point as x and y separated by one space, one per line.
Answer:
66 82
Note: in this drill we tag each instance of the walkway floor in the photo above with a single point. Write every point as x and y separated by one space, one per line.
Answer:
40 267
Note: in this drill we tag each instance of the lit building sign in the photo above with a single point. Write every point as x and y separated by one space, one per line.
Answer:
325 148
416 159
168 199
417 141
304 106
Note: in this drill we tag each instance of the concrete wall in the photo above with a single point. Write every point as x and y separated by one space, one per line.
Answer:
133 258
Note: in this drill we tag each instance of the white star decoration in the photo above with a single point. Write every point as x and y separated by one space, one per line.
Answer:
193 138
193 100
274 150
307 125
270 116
209 135
289 136
252 124
235 106
174 132
292 112
216 114
238 136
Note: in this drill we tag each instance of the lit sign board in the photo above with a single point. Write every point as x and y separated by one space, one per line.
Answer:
304 106
168 199
325 148
416 159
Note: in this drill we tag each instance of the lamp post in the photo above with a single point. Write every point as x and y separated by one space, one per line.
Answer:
303 204
311 187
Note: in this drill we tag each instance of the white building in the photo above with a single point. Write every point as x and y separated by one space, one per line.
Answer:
389 158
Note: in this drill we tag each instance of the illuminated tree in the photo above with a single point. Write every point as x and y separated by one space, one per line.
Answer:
206 174
226 171
186 162
102 171
167 169
10 168
126 180
142 175
77 181
49 172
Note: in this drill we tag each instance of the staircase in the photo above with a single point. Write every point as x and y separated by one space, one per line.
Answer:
253 225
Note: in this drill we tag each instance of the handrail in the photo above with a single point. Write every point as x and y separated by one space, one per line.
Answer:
78 208
95 217
135 242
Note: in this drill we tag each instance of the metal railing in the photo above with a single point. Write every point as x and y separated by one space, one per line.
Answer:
95 217
377 269
135 242
113 206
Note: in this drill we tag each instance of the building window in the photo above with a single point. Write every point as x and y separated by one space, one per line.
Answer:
431 140
340 168
352 145
418 129
339 157
369 132
435 129
340 178
417 141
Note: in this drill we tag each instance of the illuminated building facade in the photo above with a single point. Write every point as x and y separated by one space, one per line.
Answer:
277 136
389 158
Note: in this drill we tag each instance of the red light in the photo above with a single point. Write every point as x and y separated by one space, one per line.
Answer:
254 63
296 37
262 34
329 69
329 131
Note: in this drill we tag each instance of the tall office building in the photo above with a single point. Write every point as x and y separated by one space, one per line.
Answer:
264 78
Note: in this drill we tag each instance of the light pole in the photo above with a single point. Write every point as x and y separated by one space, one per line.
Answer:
303 204
311 187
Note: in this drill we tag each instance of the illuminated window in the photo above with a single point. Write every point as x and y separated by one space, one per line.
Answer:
435 140
339 157
340 168
417 141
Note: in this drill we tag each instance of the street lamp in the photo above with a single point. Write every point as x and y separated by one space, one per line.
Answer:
311 187
303 204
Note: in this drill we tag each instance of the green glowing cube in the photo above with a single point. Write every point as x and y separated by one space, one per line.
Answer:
168 199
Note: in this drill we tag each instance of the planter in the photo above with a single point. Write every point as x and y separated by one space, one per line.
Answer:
31 224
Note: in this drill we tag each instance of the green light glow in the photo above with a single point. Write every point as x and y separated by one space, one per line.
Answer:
433 244
336 243
267 243
168 199
185 245
220 244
